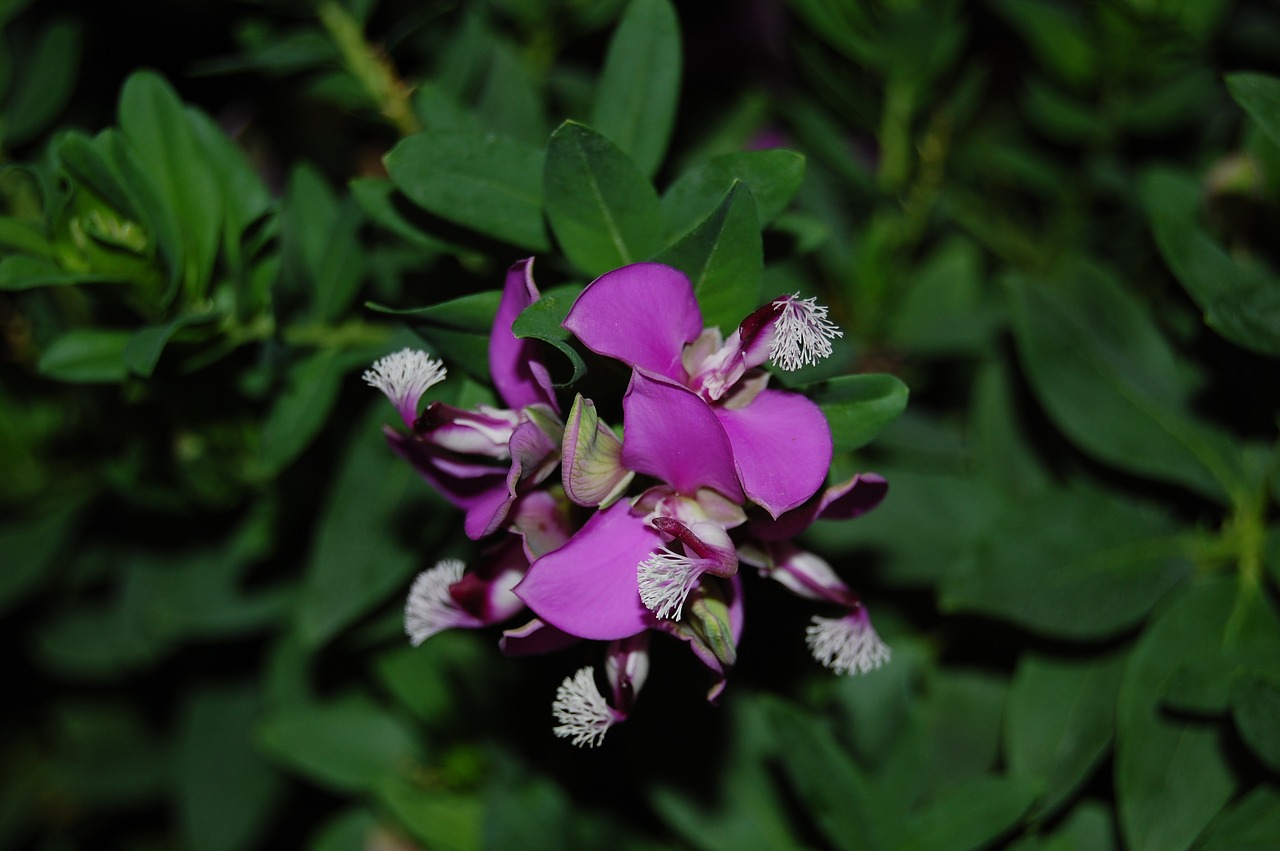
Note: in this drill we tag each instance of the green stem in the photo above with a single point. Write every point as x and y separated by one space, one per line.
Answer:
895 134
372 70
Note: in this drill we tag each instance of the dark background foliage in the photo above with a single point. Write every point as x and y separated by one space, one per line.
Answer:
1053 221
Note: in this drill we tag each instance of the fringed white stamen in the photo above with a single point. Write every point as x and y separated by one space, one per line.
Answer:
802 333
429 608
581 710
847 645
404 377
665 580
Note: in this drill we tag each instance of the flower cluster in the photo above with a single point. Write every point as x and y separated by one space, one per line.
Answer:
645 532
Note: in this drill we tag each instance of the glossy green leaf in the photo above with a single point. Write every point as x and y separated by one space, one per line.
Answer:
603 210
724 259
1032 566
1161 757
458 329
859 407
87 356
350 744
1106 377
1241 301
638 118
1059 721
225 790
773 176
541 321
490 184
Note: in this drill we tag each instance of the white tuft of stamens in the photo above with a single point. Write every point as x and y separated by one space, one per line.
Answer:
404 377
429 608
802 333
847 645
581 710
665 580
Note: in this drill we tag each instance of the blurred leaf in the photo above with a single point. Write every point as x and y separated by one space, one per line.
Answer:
359 554
1255 707
944 310
105 756
350 744
1162 758
1004 445
603 211
1033 567
18 272
441 820
323 262
970 815
724 259
509 101
302 407
962 725
527 811
155 123
142 352
1240 302
541 321
851 812
1250 824
421 677
638 118
49 69
225 791
858 407
351 830
1056 36
1106 377
773 176
377 199
1259 94
490 184
87 356
23 237
1059 720
30 546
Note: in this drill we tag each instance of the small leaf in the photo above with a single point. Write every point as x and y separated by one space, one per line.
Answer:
603 210
970 815
301 409
541 321
142 352
1255 707
1259 94
439 819
490 184
858 407
724 259
48 78
87 356
458 329
773 176
638 118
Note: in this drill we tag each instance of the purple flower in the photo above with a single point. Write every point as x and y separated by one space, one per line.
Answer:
480 460
646 316
582 712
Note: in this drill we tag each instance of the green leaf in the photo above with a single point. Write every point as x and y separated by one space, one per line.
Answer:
155 123
490 184
439 819
322 256
48 78
1034 568
1259 94
377 198
86 356
226 792
20 236
773 176
350 830
1107 379
301 409
18 272
541 321
1255 707
415 675
945 310
1250 824
1240 302
603 210
1160 757
142 352
510 101
31 546
724 259
1059 720
359 554
350 744
858 407
638 118
459 329
970 815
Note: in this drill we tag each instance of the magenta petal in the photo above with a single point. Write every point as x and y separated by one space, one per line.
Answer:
844 501
512 361
642 315
588 587
782 446
534 638
479 490
670 433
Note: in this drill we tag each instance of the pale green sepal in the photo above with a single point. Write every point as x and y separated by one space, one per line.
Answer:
592 458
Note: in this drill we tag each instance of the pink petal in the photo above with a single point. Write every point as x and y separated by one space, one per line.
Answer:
670 433
588 587
642 315
849 499
514 364
782 448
